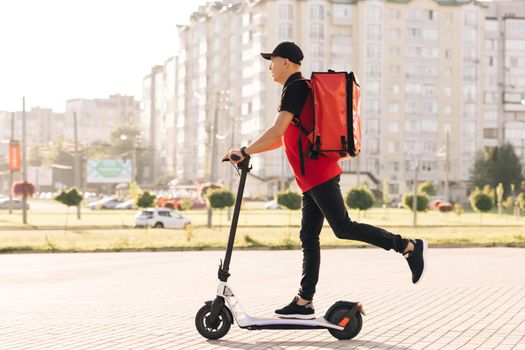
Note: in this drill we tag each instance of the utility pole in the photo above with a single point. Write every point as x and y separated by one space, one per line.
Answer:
10 170
24 164
77 160
358 171
447 166
414 200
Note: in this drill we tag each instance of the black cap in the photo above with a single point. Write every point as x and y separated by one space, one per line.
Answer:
286 49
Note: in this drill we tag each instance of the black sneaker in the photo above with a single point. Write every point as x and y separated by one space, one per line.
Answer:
417 259
293 310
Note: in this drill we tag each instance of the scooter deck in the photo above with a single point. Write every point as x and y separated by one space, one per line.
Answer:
286 323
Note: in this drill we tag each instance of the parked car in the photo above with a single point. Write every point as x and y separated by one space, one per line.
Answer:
5 203
160 218
125 205
272 205
105 203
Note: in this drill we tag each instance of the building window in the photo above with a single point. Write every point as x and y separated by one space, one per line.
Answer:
394 89
342 13
286 12
285 31
395 14
373 13
447 90
449 16
448 54
316 32
373 87
393 127
317 50
471 18
491 115
395 51
395 33
373 70
490 133
395 70
490 97
374 32
373 51
393 107
317 12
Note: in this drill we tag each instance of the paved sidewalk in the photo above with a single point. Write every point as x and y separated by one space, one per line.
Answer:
469 299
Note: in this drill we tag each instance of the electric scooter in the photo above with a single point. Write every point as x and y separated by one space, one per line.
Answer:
213 321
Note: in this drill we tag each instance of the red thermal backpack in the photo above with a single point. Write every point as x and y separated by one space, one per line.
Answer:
333 128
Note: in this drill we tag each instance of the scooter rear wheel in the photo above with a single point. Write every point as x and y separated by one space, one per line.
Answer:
208 330
352 325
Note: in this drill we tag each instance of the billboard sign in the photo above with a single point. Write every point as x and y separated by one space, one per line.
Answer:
109 171
14 155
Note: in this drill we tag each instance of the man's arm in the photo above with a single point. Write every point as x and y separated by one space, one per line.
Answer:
271 137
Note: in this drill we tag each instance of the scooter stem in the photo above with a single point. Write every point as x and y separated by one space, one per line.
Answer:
245 169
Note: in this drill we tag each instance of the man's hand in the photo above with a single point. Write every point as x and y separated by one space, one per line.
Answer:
234 155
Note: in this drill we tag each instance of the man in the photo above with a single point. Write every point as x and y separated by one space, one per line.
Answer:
322 196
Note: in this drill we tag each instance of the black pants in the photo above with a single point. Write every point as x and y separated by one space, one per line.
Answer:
326 201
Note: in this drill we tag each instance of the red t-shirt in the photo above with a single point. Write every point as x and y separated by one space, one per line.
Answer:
316 171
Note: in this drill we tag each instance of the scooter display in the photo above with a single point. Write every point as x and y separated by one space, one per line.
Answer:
213 320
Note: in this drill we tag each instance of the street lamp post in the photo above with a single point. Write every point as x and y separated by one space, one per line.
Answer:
24 160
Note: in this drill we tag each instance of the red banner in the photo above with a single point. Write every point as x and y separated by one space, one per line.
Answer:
14 155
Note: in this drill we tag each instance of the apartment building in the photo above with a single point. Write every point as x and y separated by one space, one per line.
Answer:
96 118
504 89
158 120
43 126
420 63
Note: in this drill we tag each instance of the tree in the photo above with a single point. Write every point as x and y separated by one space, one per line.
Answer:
292 201
500 164
146 200
428 188
24 189
220 199
70 198
422 201
360 198
481 201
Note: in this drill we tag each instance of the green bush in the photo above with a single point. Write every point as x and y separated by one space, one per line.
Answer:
428 188
220 198
481 201
71 197
146 200
422 201
360 198
289 199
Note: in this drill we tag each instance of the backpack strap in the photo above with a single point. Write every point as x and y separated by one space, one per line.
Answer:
297 122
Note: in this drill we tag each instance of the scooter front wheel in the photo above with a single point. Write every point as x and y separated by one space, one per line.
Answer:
208 330
351 321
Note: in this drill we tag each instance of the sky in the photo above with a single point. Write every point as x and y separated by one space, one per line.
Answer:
55 50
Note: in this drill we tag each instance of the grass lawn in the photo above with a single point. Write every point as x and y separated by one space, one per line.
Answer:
253 217
247 237
112 230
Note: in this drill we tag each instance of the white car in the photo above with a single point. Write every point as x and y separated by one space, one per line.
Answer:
272 205
160 218
105 203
